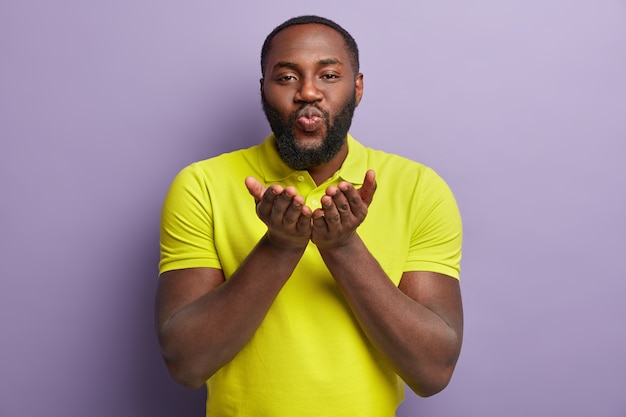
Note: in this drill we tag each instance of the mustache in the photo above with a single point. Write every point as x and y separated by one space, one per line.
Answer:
308 111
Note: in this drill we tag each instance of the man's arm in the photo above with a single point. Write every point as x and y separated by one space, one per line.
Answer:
417 326
204 321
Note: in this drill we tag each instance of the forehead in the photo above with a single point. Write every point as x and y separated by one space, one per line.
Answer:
301 44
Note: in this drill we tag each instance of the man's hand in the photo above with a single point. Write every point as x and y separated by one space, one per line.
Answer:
288 220
343 209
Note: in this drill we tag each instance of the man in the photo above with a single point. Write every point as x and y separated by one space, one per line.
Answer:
335 281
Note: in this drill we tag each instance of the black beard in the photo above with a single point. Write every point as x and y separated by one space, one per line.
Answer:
300 158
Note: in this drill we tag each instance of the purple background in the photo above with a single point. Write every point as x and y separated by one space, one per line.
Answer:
520 106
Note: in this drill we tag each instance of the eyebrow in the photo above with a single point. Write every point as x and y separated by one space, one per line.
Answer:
321 62
330 61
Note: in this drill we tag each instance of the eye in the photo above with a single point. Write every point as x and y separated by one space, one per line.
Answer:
330 77
286 78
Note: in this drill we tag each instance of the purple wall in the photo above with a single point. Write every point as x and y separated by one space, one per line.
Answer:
519 105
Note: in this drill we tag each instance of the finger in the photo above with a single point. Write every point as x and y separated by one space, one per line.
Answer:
304 221
318 220
331 214
355 205
342 203
266 205
282 202
294 210
369 187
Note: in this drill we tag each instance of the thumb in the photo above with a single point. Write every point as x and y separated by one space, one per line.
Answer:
255 188
369 187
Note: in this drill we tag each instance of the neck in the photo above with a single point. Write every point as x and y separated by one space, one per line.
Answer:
321 173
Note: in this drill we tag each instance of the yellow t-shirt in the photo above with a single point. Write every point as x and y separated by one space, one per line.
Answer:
309 357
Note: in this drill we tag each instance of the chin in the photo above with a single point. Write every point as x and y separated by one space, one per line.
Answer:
310 140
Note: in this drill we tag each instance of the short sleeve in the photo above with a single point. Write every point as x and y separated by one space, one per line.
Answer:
437 236
186 230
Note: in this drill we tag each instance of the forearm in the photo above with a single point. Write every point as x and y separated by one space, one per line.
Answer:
417 343
204 335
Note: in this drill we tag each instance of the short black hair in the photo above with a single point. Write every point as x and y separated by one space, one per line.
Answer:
353 49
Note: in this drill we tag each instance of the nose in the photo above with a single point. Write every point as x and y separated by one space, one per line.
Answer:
308 92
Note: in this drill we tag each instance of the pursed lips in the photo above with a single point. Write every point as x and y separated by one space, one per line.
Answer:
309 118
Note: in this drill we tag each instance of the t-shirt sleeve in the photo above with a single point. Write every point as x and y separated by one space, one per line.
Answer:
437 233
186 231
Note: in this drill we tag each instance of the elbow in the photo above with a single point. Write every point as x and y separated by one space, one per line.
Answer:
436 382
434 375
182 366
428 390
185 375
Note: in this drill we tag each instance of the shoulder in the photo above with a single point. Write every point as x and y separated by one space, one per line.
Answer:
223 167
239 159
397 168
375 157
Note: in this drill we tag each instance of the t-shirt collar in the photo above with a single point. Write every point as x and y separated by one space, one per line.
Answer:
275 170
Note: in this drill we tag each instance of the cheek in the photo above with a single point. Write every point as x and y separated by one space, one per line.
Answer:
278 96
340 98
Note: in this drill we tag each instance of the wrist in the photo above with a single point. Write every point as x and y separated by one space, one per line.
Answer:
284 244
345 246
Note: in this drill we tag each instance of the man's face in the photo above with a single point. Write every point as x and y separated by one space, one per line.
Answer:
309 94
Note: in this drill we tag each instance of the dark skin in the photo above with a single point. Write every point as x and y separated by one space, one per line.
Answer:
417 326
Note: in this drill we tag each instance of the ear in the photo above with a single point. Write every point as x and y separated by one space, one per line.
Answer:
261 81
358 86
